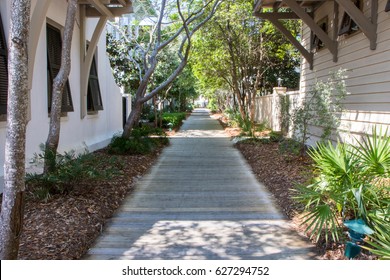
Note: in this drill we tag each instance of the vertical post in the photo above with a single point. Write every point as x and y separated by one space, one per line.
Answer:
276 108
335 26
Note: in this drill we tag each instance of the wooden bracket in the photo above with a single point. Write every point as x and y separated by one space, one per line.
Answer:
275 21
309 21
369 27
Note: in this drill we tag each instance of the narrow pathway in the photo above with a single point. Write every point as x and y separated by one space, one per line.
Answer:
200 201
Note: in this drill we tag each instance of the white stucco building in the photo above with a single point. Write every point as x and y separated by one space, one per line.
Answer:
93 104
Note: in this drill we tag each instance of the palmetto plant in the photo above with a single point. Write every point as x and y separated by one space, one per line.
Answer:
351 183
327 198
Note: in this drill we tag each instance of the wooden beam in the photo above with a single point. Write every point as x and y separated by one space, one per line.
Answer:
374 20
306 54
122 2
276 15
309 21
335 25
369 28
115 11
103 10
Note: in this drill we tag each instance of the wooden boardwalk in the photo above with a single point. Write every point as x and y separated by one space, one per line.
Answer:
200 201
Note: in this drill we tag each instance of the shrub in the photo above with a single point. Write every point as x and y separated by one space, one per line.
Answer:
71 170
349 186
291 146
143 140
175 119
275 136
320 108
236 120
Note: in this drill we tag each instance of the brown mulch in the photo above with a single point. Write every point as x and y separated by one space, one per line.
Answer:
66 226
277 172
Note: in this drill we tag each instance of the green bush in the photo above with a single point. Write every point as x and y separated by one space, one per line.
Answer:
175 119
236 120
349 186
71 170
291 146
143 140
276 136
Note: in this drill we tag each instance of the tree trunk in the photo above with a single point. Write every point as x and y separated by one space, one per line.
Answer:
133 119
253 104
11 218
155 111
58 88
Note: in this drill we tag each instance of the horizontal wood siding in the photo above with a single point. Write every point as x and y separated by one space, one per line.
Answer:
368 82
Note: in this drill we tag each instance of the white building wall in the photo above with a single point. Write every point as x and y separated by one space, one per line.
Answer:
94 131
368 82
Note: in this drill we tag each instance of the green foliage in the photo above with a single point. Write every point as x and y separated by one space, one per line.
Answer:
71 170
175 119
275 136
379 242
289 145
236 120
213 105
352 182
240 54
320 108
147 57
262 126
143 140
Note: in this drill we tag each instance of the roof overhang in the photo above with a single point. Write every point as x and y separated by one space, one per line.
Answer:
107 8
276 10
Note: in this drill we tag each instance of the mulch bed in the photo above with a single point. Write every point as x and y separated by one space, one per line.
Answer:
67 225
279 173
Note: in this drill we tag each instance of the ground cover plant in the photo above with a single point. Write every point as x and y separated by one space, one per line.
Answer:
173 120
143 140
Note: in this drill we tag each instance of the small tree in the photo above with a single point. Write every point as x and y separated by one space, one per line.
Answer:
11 218
58 87
320 108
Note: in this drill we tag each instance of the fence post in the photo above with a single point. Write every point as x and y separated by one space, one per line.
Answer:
276 123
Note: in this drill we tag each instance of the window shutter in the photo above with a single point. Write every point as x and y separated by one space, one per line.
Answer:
54 49
94 98
3 71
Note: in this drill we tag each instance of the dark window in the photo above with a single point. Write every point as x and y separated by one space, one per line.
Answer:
54 44
316 43
387 8
348 26
3 71
94 98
